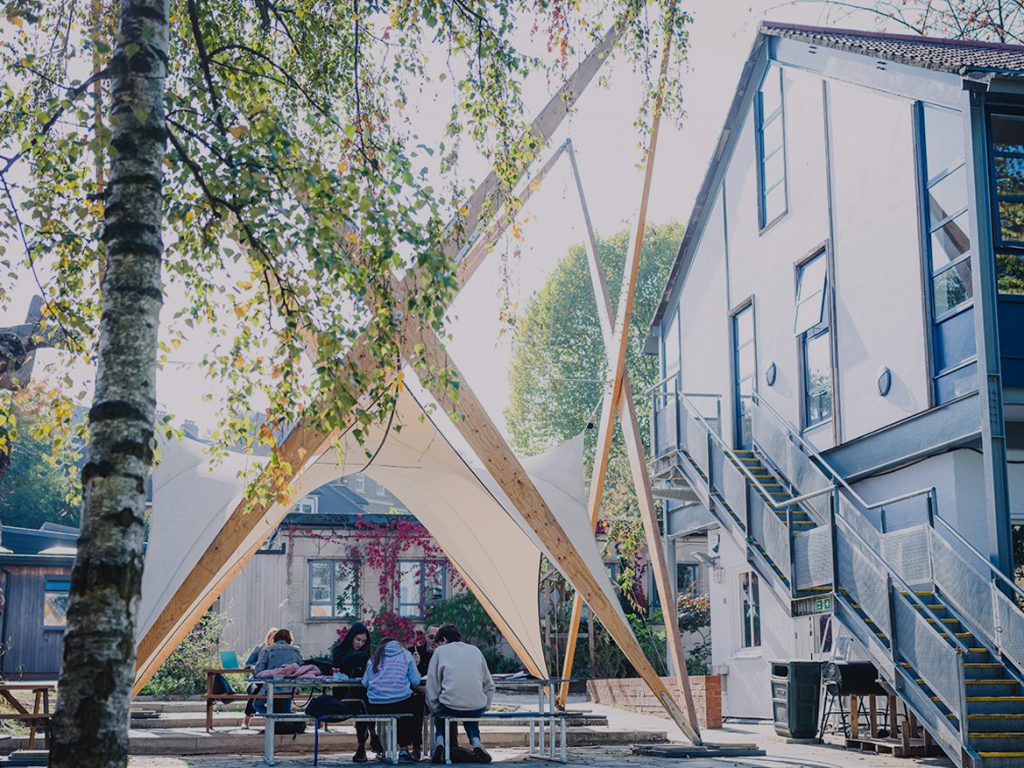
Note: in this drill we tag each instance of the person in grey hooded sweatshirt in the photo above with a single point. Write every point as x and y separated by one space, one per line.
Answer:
458 685
390 677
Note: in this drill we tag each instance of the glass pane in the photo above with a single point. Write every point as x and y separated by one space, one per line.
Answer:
1011 222
951 241
321 611
1010 273
55 609
948 196
745 360
756 599
771 91
952 287
944 138
812 278
774 169
960 382
320 581
409 587
1008 133
433 583
744 322
775 203
771 136
809 313
954 340
818 378
1009 175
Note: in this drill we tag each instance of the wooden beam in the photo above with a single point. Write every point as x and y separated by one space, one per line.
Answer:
486 441
231 548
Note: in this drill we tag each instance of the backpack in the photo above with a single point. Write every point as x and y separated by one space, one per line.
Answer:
328 706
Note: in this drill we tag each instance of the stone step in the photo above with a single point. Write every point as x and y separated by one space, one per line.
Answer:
226 720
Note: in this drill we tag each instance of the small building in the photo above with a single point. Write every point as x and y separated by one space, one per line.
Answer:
35 574
347 552
843 359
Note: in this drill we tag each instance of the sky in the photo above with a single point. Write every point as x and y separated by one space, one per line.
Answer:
605 140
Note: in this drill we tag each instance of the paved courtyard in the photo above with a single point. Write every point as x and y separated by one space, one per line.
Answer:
779 753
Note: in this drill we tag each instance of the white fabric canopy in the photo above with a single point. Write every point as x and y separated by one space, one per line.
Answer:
462 507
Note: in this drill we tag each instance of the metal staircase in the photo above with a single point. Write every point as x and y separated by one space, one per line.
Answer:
944 628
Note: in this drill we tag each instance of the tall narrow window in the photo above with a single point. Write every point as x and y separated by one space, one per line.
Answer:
360 482
947 220
813 329
750 605
771 148
55 601
1007 149
744 373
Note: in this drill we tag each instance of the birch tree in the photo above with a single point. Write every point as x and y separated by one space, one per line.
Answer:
262 160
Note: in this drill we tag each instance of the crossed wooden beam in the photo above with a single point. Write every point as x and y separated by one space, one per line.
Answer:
247 528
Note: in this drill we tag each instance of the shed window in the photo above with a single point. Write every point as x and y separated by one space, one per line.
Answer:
56 591
421 584
771 148
944 178
333 589
810 295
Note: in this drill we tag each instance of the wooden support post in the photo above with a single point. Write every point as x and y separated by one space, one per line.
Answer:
873 717
854 717
620 399
247 528
485 440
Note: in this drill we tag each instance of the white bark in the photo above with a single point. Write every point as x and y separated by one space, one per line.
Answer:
93 706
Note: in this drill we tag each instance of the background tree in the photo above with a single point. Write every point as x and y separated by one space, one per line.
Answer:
559 366
271 147
999 21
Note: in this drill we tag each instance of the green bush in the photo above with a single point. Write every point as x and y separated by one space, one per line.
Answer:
182 674
464 611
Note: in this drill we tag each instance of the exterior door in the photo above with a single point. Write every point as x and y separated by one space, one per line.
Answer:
744 368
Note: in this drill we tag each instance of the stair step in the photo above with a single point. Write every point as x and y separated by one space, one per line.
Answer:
1001 759
994 705
996 722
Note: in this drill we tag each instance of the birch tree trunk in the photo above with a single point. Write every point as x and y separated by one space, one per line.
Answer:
93 706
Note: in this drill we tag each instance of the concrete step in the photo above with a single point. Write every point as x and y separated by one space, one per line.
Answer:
226 720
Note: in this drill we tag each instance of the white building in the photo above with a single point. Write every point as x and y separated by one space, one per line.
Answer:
844 327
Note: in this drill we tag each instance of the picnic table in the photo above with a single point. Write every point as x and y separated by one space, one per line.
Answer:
39 717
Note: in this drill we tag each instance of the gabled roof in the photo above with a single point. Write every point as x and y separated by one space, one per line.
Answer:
956 56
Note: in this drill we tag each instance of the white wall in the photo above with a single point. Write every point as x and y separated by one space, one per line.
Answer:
880 320
745 688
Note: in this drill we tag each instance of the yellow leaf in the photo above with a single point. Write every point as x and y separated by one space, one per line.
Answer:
16 20
238 131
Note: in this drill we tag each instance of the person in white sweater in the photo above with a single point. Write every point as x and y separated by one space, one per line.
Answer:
458 685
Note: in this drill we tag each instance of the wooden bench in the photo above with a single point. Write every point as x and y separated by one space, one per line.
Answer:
39 717
537 722
388 732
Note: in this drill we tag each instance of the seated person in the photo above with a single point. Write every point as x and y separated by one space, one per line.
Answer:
254 688
390 678
458 685
275 655
350 657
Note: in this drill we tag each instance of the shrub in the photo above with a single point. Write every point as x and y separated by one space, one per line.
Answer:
182 673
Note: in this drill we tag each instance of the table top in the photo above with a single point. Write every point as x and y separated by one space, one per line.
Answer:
308 681
39 686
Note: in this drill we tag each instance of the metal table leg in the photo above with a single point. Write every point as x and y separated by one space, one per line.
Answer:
268 726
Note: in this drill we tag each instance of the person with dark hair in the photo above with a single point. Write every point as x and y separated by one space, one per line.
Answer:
350 657
459 684
254 688
390 677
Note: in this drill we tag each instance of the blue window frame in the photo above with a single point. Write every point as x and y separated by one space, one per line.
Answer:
813 329
421 584
771 148
1006 156
948 253
333 590
56 593
744 369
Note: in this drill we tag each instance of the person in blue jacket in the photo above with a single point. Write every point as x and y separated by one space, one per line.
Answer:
390 678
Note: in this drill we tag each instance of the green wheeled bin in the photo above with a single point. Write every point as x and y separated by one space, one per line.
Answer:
796 689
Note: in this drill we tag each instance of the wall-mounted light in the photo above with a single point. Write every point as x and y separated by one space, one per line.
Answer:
770 374
884 382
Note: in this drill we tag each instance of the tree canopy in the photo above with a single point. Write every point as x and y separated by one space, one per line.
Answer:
559 367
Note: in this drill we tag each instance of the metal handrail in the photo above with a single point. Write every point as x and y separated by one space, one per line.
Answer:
685 399
893 575
992 569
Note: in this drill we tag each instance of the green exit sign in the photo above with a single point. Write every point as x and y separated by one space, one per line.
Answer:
813 605
823 604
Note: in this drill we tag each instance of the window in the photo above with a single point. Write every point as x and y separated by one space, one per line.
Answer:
381 490
333 589
744 372
771 149
686 577
948 246
360 482
813 329
1007 151
751 610
55 601
421 584
306 506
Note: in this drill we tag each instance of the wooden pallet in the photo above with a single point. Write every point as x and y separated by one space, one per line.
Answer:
894 747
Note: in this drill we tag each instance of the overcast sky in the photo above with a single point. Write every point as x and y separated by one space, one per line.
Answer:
606 145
